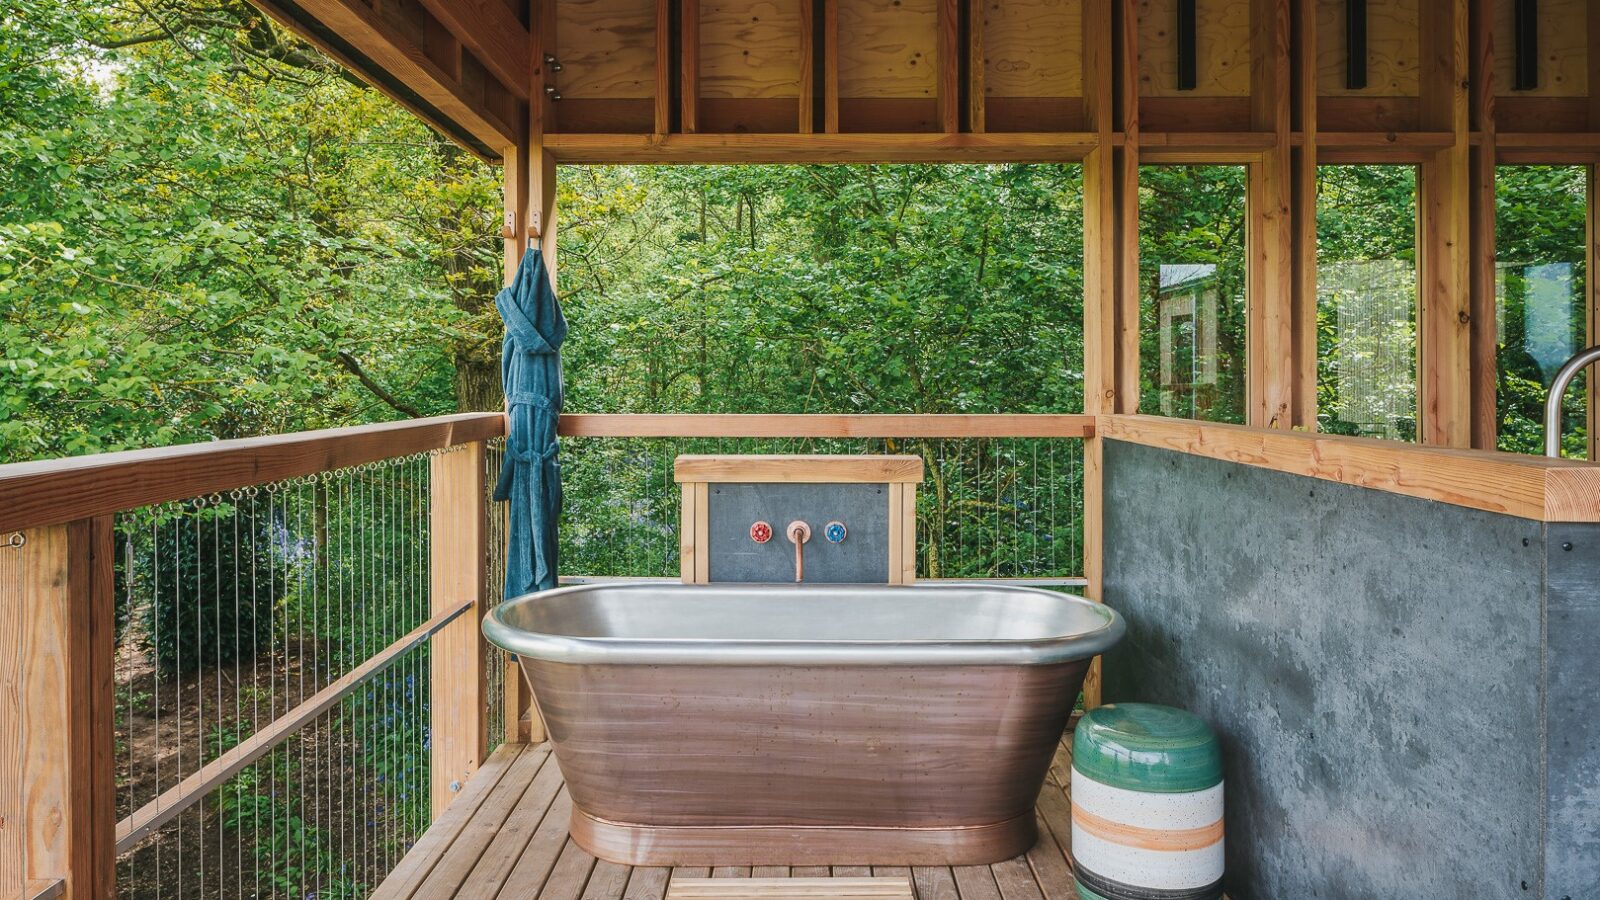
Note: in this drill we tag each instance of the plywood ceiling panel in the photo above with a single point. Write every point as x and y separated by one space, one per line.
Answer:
607 48
1033 48
750 48
886 48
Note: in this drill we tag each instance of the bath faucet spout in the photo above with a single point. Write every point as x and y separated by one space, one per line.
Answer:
799 532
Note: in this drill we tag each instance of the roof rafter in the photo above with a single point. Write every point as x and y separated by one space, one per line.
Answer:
425 72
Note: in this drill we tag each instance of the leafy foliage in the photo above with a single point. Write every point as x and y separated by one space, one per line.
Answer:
197 213
217 561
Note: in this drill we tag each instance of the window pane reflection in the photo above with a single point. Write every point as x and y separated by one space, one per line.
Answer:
1367 301
1540 311
1192 305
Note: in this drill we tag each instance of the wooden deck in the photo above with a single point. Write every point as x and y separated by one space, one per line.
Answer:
505 836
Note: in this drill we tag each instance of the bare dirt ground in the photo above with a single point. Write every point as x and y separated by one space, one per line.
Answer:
328 825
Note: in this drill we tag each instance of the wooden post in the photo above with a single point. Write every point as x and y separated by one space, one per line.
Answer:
459 546
1303 211
57 640
1273 368
1110 258
1481 208
1444 315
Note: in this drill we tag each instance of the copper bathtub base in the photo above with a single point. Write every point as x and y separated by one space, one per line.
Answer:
801 845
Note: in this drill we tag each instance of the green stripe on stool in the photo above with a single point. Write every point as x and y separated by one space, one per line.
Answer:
1084 893
1145 747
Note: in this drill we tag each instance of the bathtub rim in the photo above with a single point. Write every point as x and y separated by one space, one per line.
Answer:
1043 651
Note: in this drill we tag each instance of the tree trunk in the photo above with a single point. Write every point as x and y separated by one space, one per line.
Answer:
478 381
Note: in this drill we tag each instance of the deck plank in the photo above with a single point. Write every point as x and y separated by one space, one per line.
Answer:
512 841
607 881
647 883
934 883
1056 811
430 848
506 838
1015 879
528 877
975 883
571 874
480 831
1051 868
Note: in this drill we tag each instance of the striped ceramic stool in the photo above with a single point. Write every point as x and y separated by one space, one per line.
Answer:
1146 805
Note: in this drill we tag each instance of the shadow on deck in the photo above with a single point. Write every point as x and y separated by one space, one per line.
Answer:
506 836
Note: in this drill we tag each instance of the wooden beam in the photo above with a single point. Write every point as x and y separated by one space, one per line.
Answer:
356 35
199 784
977 67
592 149
806 113
492 34
53 491
458 525
797 469
830 66
689 65
664 67
826 426
947 53
1529 487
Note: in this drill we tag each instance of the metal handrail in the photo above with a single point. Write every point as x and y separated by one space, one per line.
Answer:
1558 389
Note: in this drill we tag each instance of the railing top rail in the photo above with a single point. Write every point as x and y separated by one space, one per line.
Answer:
764 425
53 491
50 492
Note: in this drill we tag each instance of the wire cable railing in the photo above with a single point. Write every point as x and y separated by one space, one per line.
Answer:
988 508
273 653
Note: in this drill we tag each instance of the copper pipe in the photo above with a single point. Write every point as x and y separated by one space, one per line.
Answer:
799 532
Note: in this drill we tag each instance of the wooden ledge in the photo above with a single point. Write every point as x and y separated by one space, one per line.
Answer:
884 888
799 469
1529 487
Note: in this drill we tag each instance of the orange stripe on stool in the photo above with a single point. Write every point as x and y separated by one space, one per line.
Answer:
1171 839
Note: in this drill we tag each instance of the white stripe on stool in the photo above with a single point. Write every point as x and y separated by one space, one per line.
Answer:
1108 840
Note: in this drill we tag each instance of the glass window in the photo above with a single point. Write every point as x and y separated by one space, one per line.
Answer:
1540 312
1192 296
1367 301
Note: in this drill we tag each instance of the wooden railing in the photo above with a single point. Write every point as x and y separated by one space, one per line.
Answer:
60 571
58 785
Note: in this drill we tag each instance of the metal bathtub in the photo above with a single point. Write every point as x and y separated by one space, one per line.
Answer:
803 724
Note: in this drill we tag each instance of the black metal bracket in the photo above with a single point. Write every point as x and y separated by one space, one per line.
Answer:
1186 45
1525 32
1355 44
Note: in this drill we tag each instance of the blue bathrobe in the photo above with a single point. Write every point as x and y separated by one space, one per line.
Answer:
530 370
